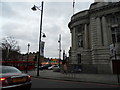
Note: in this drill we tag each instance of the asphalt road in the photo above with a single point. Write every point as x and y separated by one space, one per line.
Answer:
48 83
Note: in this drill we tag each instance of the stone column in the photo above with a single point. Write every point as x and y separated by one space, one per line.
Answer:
86 36
73 38
105 33
99 32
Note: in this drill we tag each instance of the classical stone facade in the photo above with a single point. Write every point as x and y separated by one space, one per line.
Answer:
0 54
94 32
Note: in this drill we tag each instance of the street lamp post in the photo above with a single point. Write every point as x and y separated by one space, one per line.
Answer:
59 41
27 58
34 9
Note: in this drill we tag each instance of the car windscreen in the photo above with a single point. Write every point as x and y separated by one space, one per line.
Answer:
10 70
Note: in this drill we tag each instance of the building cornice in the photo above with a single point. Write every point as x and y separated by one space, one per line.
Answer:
79 16
86 13
108 6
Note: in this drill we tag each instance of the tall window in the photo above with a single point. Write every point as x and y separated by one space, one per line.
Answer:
79 58
80 41
118 34
114 19
80 28
80 32
115 34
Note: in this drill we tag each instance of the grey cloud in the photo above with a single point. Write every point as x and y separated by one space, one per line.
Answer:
7 11
20 30
58 8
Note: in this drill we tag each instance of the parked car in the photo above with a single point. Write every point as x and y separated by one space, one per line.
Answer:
53 67
12 78
56 70
45 66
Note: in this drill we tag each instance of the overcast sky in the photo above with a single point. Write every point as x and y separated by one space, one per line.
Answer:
18 20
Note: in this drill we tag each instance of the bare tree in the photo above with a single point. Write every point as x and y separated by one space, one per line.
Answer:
10 49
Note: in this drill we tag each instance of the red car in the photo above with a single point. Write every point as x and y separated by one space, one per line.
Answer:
11 77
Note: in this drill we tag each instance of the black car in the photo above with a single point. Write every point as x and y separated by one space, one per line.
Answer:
12 78
45 66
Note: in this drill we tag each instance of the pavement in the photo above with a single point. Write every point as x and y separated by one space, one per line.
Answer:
81 77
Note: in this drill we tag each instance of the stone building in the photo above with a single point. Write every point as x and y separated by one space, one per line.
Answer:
0 54
94 33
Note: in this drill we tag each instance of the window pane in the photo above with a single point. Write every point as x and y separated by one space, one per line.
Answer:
113 38
118 37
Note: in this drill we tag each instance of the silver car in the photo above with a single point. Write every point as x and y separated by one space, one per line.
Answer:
11 77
